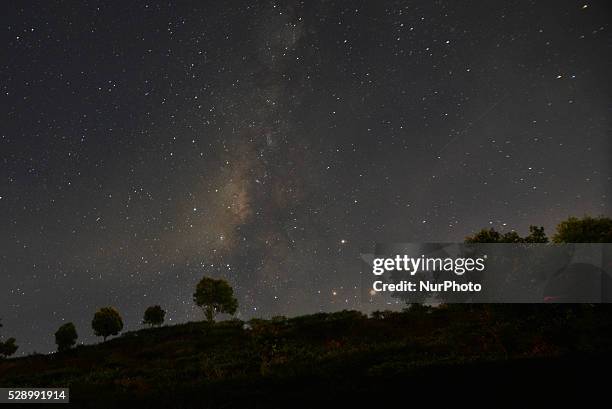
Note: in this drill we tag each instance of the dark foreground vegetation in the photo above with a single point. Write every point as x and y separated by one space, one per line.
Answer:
338 358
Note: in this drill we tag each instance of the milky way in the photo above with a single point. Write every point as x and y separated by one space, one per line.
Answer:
148 144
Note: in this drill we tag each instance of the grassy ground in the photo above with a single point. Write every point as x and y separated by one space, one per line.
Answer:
340 358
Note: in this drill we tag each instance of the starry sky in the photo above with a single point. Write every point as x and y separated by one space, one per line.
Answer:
146 144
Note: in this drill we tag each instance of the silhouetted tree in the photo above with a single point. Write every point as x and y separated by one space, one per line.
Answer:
8 347
107 321
510 237
215 296
536 235
585 230
484 236
154 315
66 336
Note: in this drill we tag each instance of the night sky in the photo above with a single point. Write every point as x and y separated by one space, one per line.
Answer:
146 144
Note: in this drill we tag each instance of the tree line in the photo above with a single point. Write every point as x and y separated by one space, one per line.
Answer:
216 296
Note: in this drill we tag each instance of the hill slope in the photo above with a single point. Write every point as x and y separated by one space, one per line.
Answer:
329 358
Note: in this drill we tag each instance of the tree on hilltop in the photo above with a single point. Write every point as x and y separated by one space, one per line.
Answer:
154 316
215 296
66 336
107 321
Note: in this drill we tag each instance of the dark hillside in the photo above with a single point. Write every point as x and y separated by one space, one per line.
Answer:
324 358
